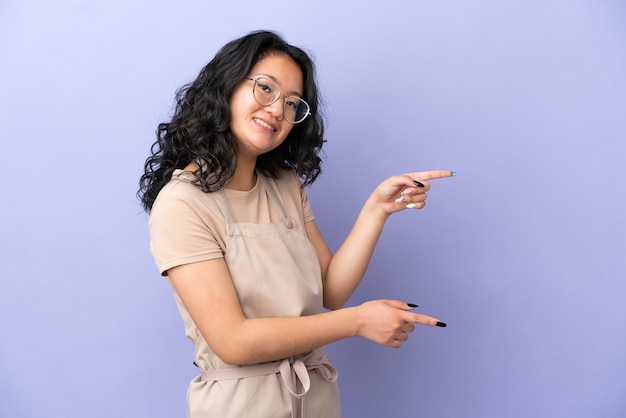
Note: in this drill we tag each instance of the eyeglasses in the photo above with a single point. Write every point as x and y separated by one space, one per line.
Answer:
266 92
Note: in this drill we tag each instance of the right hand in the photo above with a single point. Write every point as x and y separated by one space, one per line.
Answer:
389 322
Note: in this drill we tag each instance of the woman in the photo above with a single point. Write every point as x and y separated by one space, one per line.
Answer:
232 231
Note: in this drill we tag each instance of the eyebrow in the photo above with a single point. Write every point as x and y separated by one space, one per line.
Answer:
275 80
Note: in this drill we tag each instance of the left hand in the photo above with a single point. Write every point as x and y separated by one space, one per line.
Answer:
405 191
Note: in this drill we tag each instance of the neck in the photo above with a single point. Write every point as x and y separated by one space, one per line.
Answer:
244 178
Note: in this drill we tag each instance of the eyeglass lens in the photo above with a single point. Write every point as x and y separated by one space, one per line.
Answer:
267 92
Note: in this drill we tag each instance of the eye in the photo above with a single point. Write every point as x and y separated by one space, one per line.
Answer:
292 103
265 88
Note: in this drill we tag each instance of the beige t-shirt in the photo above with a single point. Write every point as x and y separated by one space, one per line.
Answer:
187 226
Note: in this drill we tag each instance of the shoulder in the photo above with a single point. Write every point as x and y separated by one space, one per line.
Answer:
180 201
180 186
181 190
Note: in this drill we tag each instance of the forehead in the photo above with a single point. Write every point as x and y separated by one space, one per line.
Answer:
282 69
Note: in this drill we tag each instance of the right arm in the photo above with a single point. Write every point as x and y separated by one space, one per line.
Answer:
208 293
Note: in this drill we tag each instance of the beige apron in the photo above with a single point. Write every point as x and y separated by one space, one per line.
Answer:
276 273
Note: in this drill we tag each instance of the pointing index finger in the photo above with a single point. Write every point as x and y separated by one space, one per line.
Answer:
432 174
425 320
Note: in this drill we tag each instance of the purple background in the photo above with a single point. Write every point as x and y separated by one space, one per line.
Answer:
523 253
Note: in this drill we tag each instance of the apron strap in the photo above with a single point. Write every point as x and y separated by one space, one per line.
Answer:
274 197
222 203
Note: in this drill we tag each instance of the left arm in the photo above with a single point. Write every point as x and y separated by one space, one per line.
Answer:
343 271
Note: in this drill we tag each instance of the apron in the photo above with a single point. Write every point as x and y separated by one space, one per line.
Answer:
276 273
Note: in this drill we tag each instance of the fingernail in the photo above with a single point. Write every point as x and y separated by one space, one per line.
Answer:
418 184
412 305
401 200
452 174
411 206
441 324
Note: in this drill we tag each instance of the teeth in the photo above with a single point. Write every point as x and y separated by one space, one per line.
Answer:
265 125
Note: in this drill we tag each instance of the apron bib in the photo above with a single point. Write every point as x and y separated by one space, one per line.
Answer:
276 273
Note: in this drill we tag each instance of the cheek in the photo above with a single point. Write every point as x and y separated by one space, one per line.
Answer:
240 102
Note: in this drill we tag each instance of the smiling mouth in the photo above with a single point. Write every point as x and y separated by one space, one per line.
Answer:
264 124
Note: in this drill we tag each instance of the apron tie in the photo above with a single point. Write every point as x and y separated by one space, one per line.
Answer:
292 370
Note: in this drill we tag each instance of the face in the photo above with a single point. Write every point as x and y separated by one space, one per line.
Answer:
260 129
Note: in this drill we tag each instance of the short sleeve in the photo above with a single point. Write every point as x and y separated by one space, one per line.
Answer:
179 232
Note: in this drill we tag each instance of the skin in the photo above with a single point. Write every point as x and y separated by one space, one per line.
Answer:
248 116
206 288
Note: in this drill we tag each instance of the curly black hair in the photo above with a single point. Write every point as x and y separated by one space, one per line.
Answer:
199 130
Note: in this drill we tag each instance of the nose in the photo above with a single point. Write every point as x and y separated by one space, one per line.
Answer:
276 108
